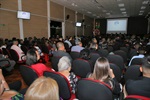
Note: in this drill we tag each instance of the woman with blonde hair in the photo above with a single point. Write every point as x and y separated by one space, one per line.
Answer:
104 73
43 88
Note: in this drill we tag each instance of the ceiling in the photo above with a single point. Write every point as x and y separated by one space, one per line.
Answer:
108 8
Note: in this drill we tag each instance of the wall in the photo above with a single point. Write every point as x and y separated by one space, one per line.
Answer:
37 25
88 26
80 19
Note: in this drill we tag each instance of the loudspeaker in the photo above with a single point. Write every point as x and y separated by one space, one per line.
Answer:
67 17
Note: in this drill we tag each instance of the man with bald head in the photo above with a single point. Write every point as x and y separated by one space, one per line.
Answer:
61 51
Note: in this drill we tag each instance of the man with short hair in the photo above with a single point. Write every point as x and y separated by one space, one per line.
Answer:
142 86
61 50
78 46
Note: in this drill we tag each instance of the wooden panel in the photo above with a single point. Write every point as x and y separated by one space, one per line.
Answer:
35 7
88 26
71 14
70 29
9 4
56 11
36 26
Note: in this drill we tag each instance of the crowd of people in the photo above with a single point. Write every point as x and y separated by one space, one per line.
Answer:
45 88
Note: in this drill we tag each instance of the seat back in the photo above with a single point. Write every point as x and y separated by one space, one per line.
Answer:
6 52
54 61
88 89
116 59
94 57
122 54
136 97
103 52
63 83
74 55
14 55
133 72
137 61
28 74
24 49
116 71
81 67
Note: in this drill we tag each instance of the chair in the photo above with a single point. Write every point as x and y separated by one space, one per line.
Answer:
28 74
94 57
54 61
63 83
136 61
133 72
116 71
88 89
81 67
24 49
125 49
103 52
122 54
15 85
74 55
15 56
136 97
116 59
6 52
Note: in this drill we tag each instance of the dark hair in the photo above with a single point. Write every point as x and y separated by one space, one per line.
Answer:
146 62
85 54
31 57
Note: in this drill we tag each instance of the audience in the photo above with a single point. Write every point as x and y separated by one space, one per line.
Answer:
32 58
141 86
43 89
64 67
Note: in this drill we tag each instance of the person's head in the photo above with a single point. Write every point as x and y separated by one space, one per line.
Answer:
94 40
64 64
93 46
136 45
146 66
101 69
15 42
78 42
43 88
141 50
32 56
60 46
85 54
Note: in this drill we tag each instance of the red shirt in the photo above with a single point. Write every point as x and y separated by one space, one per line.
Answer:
39 68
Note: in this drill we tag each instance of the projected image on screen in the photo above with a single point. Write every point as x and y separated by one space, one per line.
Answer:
117 26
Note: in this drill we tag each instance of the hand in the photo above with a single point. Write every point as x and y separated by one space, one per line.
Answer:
111 74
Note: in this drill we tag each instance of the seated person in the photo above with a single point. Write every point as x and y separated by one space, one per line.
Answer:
43 88
32 58
141 52
5 92
4 60
78 46
141 86
64 67
61 51
102 72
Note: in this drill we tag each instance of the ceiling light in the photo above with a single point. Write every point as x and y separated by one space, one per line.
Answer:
122 9
89 12
141 11
121 5
124 12
145 2
143 7
107 13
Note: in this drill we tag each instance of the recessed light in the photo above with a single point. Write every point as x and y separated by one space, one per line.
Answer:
143 7
122 9
145 2
89 12
141 11
124 12
107 13
121 5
